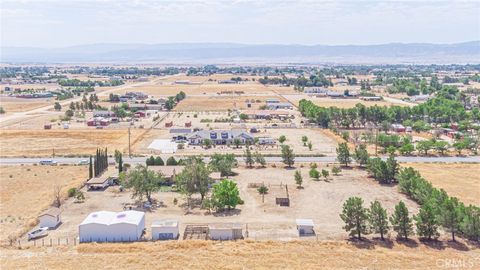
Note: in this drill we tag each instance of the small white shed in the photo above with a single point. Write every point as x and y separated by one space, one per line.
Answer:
106 226
305 226
166 229
225 231
50 218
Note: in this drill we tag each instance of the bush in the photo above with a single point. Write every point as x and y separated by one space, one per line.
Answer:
72 192
171 161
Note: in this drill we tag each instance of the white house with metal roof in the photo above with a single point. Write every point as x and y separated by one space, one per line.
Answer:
220 137
107 226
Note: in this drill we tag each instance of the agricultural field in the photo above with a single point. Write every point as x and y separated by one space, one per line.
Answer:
222 103
26 191
12 104
63 142
197 254
339 103
459 180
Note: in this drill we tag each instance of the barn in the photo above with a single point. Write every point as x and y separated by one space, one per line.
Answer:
166 229
107 226
225 231
305 227
50 218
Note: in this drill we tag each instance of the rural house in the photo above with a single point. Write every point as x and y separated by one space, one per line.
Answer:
220 137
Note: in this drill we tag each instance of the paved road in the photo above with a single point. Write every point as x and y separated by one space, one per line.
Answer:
141 160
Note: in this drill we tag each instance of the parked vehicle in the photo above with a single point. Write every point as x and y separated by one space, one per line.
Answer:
36 233
83 162
48 162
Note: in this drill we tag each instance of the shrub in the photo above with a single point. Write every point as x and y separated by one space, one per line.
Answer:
72 192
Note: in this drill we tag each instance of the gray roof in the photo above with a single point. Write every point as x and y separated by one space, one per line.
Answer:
180 130
221 134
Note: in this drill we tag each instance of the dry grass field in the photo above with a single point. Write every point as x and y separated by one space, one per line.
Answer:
222 103
64 142
25 191
12 105
196 254
339 103
461 180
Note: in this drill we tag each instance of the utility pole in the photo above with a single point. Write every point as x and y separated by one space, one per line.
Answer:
129 147
376 141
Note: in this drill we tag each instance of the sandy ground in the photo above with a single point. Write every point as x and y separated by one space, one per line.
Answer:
459 180
63 142
246 255
25 191
318 200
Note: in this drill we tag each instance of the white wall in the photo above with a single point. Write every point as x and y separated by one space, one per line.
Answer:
158 230
115 232
221 234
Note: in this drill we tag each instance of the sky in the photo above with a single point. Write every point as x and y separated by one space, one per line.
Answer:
61 23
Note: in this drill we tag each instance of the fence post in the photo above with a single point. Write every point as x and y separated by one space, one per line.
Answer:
66 240
34 243
74 241
19 245
50 241
43 242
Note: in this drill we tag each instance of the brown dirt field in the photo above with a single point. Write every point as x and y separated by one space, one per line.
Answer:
25 191
220 103
65 142
11 105
196 254
459 180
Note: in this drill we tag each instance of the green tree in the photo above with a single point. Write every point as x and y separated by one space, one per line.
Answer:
304 140
355 217
237 142
450 216
425 146
223 163
57 106
343 154
260 159
378 219
249 158
158 161
288 157
336 170
401 221
120 164
298 178
282 139
243 117
310 145
470 224
263 190
194 178
392 168
90 168
117 154
171 161
406 149
207 143
325 174
226 194
314 173
143 181
361 155
426 222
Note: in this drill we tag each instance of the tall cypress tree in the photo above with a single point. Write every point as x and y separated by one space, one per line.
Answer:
120 164
90 168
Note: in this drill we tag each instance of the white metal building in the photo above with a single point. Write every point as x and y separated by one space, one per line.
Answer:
50 218
106 226
225 231
305 226
166 229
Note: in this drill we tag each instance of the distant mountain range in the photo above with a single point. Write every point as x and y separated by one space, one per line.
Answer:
392 53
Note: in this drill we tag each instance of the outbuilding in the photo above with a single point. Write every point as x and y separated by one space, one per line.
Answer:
107 226
225 231
166 229
50 218
305 227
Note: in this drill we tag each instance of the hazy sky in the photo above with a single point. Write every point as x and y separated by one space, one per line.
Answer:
57 23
